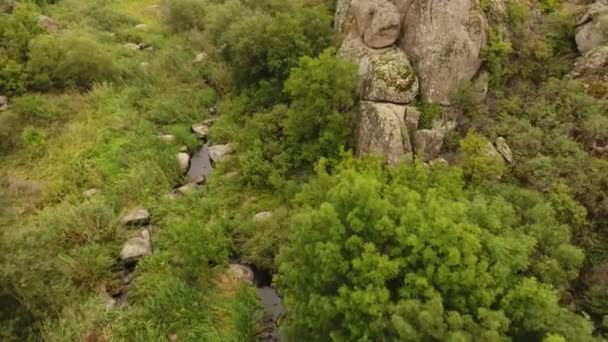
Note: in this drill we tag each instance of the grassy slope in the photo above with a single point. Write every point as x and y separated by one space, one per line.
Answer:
62 248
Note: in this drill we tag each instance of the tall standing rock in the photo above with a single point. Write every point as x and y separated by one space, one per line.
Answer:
378 22
444 38
382 131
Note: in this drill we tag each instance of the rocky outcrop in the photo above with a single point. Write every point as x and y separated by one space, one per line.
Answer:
444 38
503 148
3 103
592 70
412 118
378 22
388 76
592 28
428 143
382 131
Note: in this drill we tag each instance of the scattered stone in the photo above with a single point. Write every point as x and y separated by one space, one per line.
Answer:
186 189
263 216
242 273
439 162
137 247
200 57
428 144
183 160
136 217
504 149
167 137
91 193
3 103
172 338
591 29
209 122
388 77
378 22
183 149
132 46
48 24
219 153
201 130
382 131
141 27
412 118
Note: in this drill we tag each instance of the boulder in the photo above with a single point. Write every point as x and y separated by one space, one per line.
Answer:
243 273
183 160
137 247
382 131
412 118
167 137
88 194
428 143
263 216
388 77
141 27
200 57
136 217
592 70
444 39
343 20
218 153
378 22
201 130
132 46
48 24
3 103
504 149
592 28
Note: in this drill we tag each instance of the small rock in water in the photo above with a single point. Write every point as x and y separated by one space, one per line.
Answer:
137 247
141 27
201 130
218 153
263 216
136 217
183 160
3 103
242 272
90 193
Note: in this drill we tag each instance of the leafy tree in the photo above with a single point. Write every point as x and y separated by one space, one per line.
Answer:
479 160
411 254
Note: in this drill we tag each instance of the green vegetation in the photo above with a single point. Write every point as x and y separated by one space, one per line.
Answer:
482 250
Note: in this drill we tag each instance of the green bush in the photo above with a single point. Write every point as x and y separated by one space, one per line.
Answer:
184 15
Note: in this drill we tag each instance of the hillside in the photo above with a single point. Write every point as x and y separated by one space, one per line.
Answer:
303 170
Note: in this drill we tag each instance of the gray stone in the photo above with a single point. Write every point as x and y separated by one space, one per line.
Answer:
263 216
167 137
137 247
504 149
183 161
91 193
200 57
428 144
132 46
243 273
439 162
378 22
412 118
3 103
444 40
201 130
388 76
592 27
591 69
187 189
136 216
219 153
382 131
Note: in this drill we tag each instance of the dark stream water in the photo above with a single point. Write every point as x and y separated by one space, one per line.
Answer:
200 166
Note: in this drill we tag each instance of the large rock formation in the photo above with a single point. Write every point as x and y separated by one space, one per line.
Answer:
388 77
444 38
592 70
378 22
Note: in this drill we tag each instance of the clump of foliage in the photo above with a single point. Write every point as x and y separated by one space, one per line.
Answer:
413 254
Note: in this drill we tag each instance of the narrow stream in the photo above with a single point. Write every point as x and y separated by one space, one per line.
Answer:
200 166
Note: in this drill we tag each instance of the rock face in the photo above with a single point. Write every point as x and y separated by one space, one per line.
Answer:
592 70
388 77
504 149
3 103
378 22
382 131
428 143
591 29
444 38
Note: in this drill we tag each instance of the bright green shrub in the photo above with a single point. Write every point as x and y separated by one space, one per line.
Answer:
412 254
184 15
477 162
